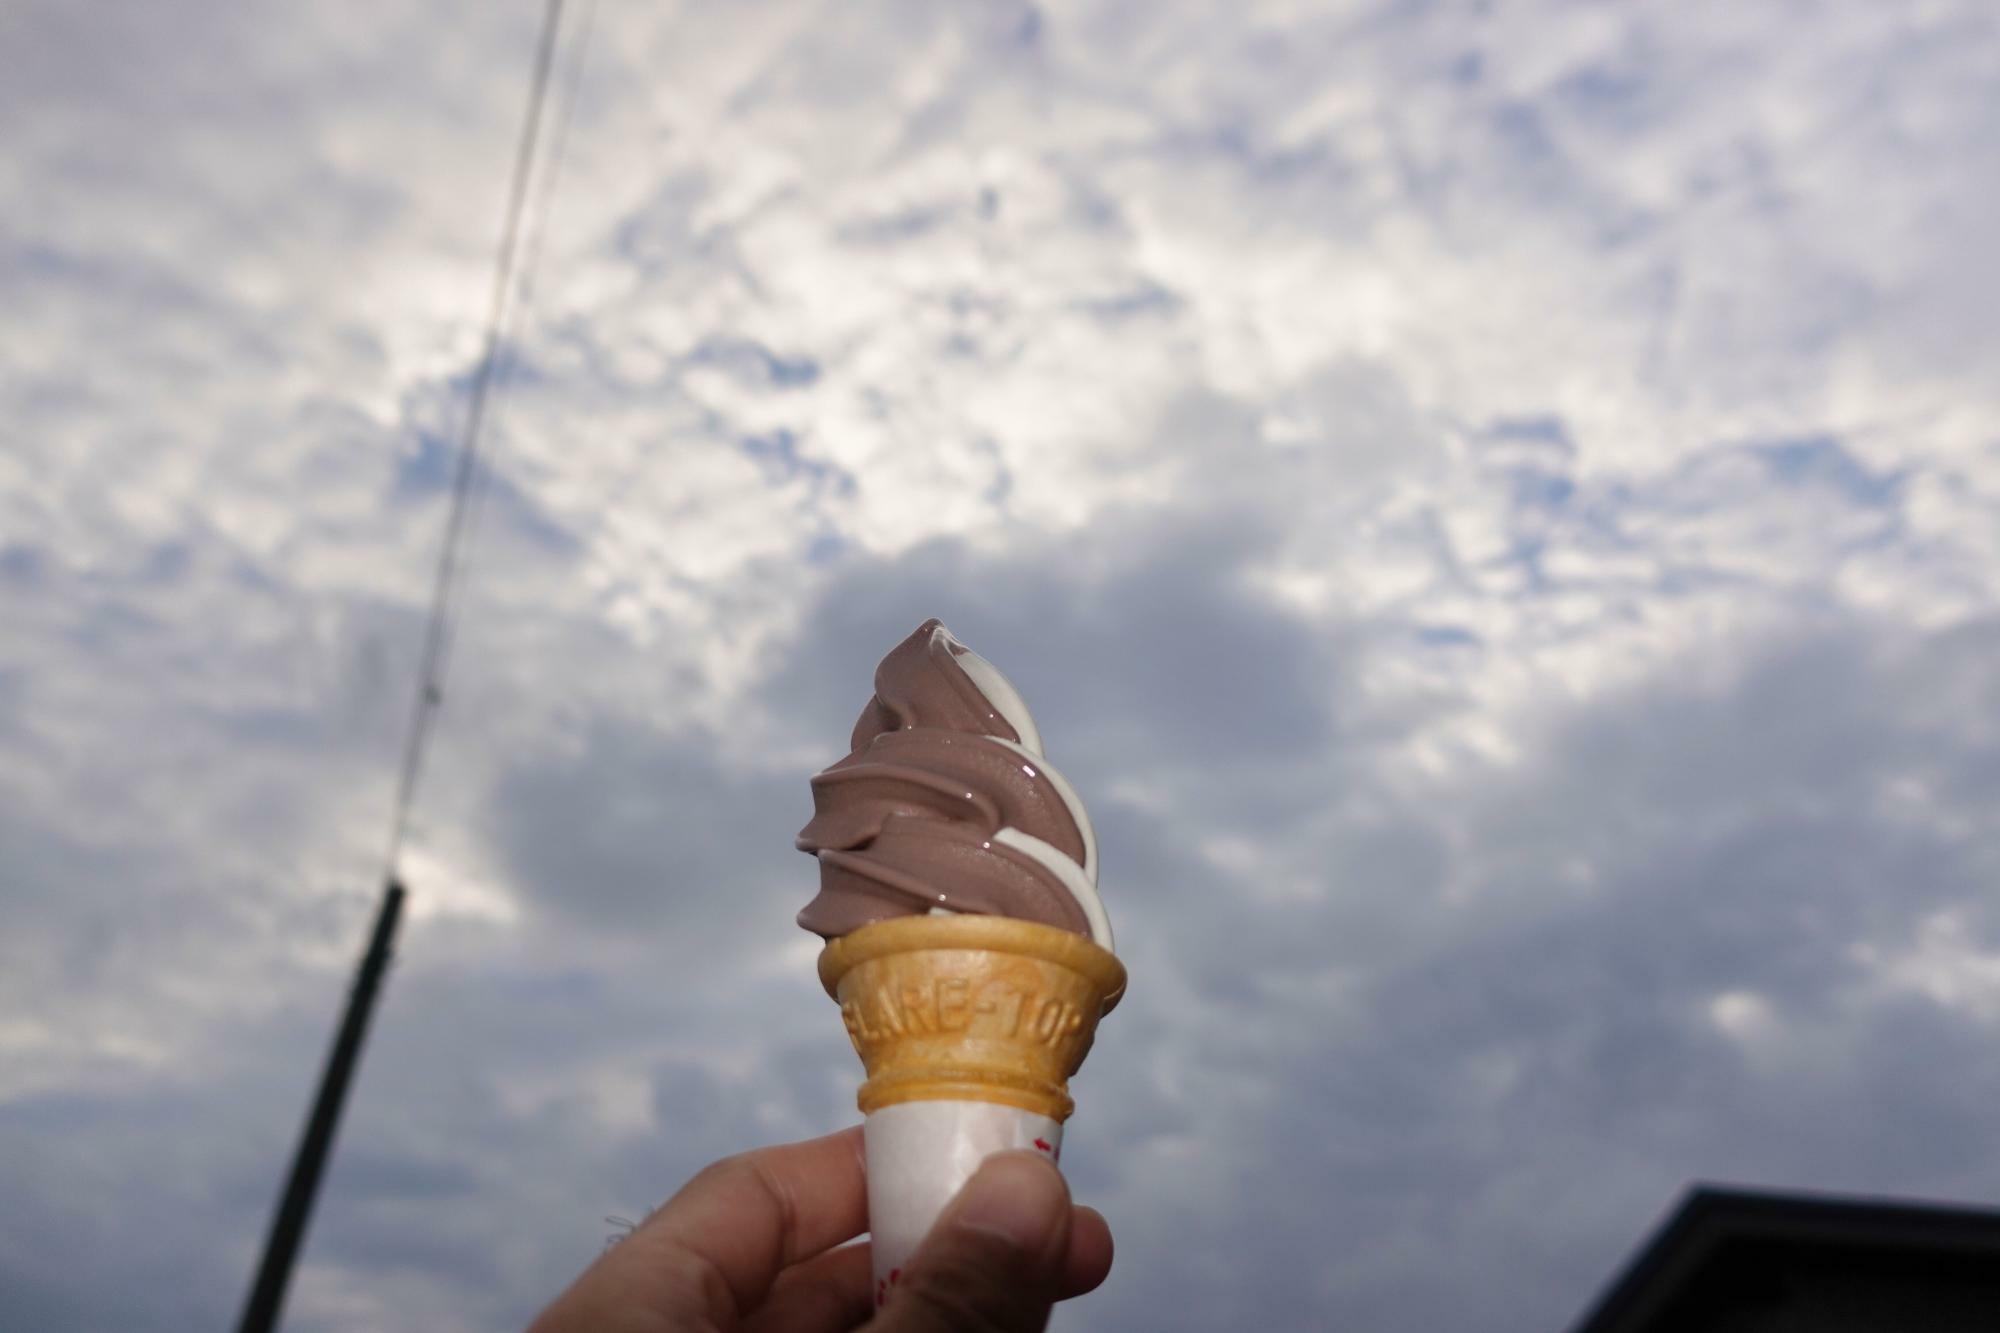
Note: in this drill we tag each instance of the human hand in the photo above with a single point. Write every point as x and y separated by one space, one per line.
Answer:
749 1245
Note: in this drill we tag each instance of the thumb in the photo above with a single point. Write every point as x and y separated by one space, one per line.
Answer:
994 1260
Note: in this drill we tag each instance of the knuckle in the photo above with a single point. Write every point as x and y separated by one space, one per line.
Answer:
697 1287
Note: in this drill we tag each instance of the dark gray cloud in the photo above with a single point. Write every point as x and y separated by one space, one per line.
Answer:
1532 1081
633 828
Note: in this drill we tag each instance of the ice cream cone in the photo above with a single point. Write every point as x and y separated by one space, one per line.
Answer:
970 1008
969 1028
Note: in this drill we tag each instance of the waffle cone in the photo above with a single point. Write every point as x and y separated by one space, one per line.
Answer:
970 1008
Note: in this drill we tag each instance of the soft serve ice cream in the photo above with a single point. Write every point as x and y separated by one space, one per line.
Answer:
945 803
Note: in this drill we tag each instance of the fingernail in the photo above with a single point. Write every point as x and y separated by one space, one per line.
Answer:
1015 1196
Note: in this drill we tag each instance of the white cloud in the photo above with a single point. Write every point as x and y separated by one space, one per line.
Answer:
1946 963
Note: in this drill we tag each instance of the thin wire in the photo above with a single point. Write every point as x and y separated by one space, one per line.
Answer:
430 681
558 147
507 354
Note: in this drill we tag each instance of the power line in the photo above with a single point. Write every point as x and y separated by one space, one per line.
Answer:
506 352
430 678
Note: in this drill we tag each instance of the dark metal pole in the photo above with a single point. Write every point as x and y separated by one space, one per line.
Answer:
288 1228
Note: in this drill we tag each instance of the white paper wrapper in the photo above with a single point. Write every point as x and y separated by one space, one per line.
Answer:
920 1154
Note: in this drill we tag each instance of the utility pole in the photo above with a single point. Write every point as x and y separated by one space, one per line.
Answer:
288 1228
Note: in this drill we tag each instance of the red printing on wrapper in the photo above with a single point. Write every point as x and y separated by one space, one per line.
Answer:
883 1285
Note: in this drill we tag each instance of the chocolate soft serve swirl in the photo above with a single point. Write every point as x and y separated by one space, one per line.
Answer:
945 804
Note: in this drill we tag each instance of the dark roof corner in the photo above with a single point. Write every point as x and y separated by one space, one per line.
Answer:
1754 1259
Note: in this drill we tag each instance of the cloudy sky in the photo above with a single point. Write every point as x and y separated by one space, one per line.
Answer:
1496 506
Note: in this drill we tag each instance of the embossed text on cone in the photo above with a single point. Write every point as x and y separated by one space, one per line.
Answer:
974 1008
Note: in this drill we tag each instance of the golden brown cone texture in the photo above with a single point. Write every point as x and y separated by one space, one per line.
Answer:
970 1008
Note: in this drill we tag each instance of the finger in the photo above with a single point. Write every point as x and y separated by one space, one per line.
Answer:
1089 1261
829 1293
714 1249
754 1215
834 1291
995 1260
